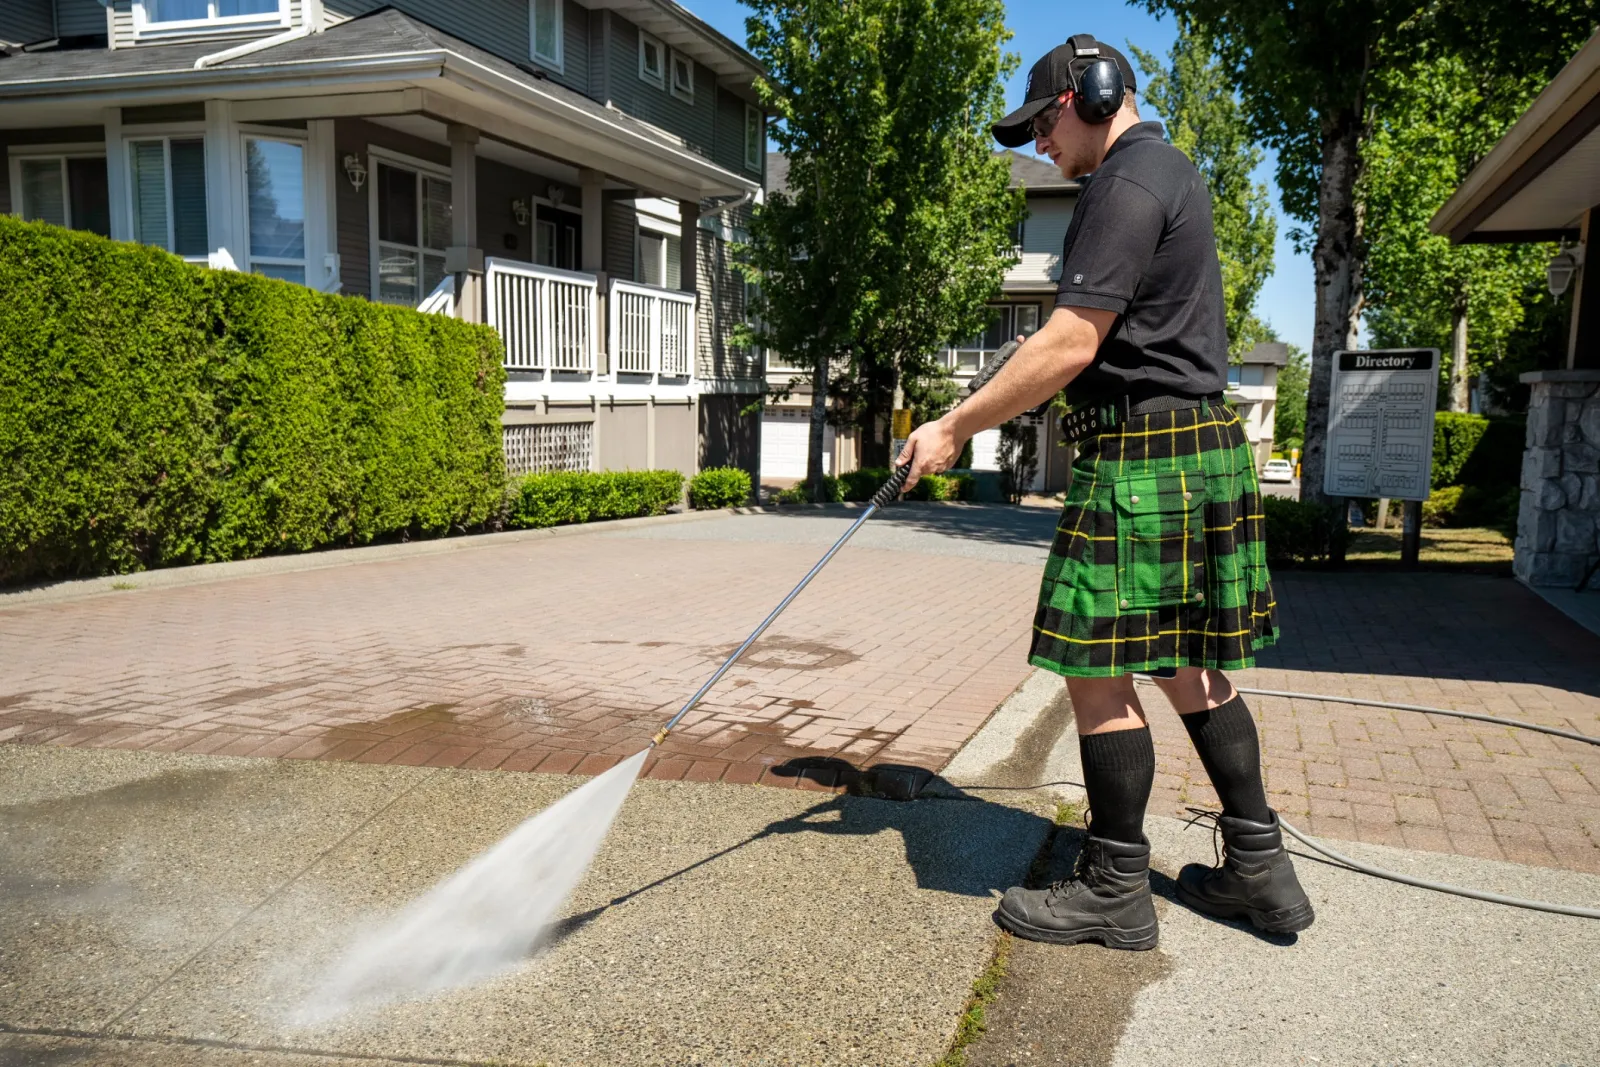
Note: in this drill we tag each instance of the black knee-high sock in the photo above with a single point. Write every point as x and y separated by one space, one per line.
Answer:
1118 770
1225 737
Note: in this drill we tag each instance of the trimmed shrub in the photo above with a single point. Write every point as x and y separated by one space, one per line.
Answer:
1440 507
1492 506
861 484
155 413
557 498
933 487
800 492
966 486
1473 450
719 487
1455 435
1303 533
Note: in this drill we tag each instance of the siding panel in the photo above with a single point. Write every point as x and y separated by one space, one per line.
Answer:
620 229
1046 227
695 123
80 18
722 309
26 21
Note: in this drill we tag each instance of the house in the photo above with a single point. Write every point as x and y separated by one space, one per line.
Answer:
571 172
1253 392
1026 296
1541 182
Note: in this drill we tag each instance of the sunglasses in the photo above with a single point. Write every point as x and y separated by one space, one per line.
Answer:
1042 124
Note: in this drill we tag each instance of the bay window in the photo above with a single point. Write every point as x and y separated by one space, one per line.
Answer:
170 17
168 178
64 190
411 214
276 203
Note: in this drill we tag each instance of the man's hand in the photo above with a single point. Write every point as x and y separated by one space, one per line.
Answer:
931 448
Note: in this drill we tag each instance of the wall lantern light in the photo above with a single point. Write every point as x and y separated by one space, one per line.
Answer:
1562 266
519 211
355 170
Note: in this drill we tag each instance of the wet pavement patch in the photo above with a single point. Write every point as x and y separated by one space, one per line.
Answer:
788 654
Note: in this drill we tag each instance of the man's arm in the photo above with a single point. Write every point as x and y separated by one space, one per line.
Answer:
1037 371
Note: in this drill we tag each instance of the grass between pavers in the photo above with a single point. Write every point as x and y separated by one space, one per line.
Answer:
986 987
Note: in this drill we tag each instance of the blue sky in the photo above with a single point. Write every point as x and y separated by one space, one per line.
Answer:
1286 300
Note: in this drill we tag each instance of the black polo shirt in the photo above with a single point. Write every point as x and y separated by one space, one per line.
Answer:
1141 244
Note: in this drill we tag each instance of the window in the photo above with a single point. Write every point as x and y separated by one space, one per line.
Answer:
157 17
64 190
168 178
660 259
652 61
275 189
557 239
1009 321
411 211
1234 373
683 78
755 139
544 31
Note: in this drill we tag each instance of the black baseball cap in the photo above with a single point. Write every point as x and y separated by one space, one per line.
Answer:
1053 75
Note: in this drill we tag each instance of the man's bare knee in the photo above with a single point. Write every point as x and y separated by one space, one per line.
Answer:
1196 689
1101 705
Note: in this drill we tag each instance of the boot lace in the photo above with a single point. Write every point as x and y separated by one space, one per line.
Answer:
1077 881
1219 843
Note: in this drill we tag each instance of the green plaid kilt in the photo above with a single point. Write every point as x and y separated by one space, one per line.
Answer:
1159 560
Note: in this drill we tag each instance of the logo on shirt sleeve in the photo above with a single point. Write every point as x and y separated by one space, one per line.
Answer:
1077 279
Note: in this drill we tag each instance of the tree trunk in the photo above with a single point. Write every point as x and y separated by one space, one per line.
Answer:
819 423
1336 267
1460 391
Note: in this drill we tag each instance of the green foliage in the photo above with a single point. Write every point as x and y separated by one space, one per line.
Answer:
1018 458
1289 412
1203 118
966 486
1455 438
557 498
1436 119
1303 532
1441 505
719 487
799 493
934 487
861 484
895 227
1494 506
155 413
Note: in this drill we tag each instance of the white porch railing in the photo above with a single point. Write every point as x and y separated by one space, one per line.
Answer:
652 331
545 316
442 301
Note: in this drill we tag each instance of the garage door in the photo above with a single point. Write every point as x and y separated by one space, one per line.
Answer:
785 436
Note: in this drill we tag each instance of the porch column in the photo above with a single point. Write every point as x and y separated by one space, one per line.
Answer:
593 222
464 258
226 217
117 184
1583 337
689 245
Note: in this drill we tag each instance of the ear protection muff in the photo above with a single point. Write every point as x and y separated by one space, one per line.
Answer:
1098 88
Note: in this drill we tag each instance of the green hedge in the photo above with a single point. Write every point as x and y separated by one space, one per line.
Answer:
862 483
1303 533
154 412
799 493
719 487
561 497
1474 450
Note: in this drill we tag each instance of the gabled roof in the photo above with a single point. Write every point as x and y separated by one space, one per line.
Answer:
382 47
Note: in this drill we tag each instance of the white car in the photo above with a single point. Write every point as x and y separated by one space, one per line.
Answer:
1278 470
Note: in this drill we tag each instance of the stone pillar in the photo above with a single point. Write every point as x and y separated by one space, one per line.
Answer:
464 257
1558 525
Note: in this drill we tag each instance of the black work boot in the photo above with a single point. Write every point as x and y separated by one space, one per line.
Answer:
1107 899
1256 879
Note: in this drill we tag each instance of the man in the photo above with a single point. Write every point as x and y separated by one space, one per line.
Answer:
1158 565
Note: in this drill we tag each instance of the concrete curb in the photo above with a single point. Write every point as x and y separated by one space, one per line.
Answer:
206 573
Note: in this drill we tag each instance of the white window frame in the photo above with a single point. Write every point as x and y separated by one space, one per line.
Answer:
684 92
144 28
659 78
182 131
556 61
754 147
59 152
286 136
378 154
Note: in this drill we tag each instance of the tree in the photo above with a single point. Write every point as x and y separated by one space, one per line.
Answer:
1204 119
1289 410
1304 70
898 208
1436 119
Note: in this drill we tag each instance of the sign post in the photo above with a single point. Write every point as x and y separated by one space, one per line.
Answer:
1380 431
899 431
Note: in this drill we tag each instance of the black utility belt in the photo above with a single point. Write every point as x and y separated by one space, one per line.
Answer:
1089 419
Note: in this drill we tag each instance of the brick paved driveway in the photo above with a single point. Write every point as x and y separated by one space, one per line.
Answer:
566 654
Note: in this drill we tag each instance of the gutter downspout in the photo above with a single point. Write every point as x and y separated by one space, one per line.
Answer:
740 201
259 45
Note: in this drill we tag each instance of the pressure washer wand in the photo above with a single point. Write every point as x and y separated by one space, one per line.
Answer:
887 492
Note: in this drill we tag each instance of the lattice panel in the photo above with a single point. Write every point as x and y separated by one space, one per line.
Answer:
556 446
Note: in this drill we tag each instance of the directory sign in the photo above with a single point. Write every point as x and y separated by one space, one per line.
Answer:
1380 423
